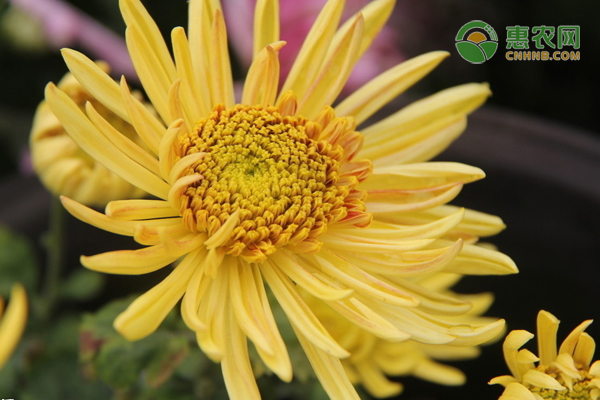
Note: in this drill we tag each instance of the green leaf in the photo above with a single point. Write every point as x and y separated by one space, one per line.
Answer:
166 358
82 285
17 262
132 366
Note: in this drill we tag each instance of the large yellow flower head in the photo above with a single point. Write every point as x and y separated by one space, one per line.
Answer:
558 374
12 322
279 187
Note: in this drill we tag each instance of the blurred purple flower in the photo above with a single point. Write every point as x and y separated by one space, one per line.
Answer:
64 25
296 20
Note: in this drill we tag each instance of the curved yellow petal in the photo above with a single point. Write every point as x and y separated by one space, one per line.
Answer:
367 100
99 147
148 311
266 25
13 322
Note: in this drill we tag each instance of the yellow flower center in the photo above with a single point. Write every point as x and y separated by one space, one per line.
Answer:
283 182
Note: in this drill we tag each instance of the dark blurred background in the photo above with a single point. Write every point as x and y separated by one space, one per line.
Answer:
537 139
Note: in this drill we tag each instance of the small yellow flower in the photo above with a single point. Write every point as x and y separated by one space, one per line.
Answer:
559 374
278 187
372 359
63 167
12 322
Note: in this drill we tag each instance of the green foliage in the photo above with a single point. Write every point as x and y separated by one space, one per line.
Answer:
17 262
82 285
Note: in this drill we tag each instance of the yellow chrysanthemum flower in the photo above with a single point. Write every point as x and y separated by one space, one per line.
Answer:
12 322
274 188
372 359
63 167
563 374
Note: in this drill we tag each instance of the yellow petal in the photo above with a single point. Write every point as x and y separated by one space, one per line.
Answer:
101 86
358 244
262 81
329 370
130 148
526 357
247 308
375 13
442 374
185 165
513 342
503 380
147 126
390 267
222 81
167 154
362 282
179 187
152 231
266 25
454 101
298 312
547 326
155 80
473 222
13 322
584 352
253 313
516 391
213 312
237 371
367 100
148 311
130 210
176 108
568 345
97 219
431 301
539 379
419 145
418 176
375 382
98 147
477 260
420 329
200 21
195 292
334 73
142 261
223 234
312 54
378 230
303 276
367 319
135 14
411 200
195 98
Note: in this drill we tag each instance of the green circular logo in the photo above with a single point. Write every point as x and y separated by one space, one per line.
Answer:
476 42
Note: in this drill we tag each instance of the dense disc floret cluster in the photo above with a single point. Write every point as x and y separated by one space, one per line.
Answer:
284 185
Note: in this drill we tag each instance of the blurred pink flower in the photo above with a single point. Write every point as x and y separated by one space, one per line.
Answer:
64 25
296 20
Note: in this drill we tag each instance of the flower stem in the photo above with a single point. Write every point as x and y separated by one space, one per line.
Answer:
55 246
